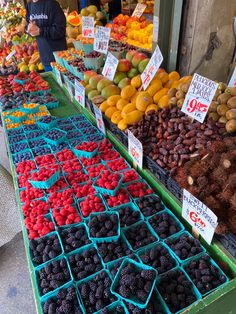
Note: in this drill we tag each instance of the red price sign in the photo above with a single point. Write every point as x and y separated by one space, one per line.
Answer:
99 118
79 93
135 149
199 216
198 99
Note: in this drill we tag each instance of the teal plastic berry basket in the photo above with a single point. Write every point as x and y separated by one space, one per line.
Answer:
56 142
37 269
106 191
137 267
212 262
112 308
19 119
47 236
21 82
46 184
83 153
195 291
33 110
110 266
78 74
78 45
151 246
94 63
52 105
108 238
177 236
47 126
54 294
170 214
133 208
87 48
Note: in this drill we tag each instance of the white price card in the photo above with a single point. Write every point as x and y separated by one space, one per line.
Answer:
102 38
152 67
199 216
70 90
110 66
99 118
155 28
199 96
10 55
88 26
135 149
58 76
140 8
232 82
79 93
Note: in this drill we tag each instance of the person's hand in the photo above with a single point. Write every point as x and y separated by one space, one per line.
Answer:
33 29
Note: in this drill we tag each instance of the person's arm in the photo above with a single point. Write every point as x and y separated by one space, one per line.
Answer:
57 29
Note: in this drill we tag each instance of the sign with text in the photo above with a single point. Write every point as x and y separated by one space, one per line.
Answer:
10 55
140 8
152 67
79 93
199 216
99 118
199 96
88 26
70 90
58 76
135 149
102 38
232 82
155 28
110 66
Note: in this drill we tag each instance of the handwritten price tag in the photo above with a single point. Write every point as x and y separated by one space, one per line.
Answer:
11 54
99 118
110 66
199 216
70 90
102 38
80 93
155 28
232 82
152 67
198 99
88 26
140 8
135 149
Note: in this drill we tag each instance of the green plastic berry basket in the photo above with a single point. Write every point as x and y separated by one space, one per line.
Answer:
47 236
80 251
47 126
133 208
152 246
124 230
46 184
138 267
83 153
54 294
170 214
58 141
212 262
112 307
178 235
108 238
106 191
85 281
194 290
48 294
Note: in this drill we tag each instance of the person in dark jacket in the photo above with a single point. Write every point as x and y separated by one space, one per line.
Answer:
47 22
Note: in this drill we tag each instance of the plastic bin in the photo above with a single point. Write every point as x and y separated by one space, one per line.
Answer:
175 189
158 172
105 239
139 267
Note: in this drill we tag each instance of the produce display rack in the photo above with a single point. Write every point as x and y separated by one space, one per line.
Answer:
222 300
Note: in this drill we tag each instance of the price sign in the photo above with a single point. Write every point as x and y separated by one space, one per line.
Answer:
102 38
70 90
135 149
232 82
3 29
155 28
152 67
79 93
110 66
99 118
199 96
10 55
58 76
199 216
138 11
88 26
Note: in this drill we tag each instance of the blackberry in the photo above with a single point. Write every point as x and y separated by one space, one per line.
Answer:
103 225
150 205
139 235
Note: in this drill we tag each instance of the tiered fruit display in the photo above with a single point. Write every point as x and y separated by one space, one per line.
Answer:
137 31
